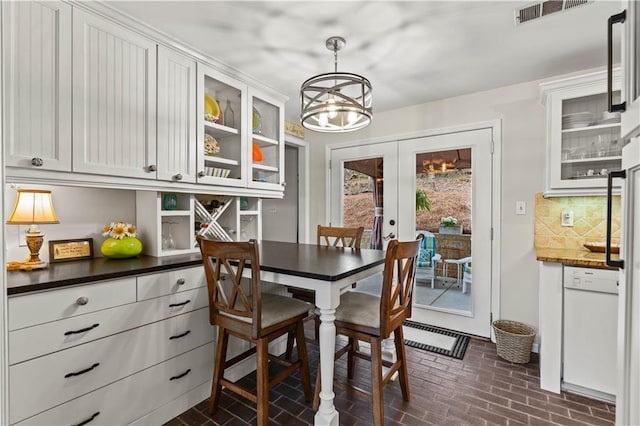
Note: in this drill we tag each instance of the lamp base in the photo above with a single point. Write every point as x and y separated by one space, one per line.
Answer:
29 266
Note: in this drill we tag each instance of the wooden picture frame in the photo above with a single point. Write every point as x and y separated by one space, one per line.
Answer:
66 250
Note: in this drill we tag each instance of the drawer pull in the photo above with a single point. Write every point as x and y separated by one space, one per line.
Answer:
175 305
86 370
180 335
90 419
180 281
82 330
37 162
82 301
180 376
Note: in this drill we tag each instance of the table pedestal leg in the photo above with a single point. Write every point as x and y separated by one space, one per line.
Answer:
327 414
389 353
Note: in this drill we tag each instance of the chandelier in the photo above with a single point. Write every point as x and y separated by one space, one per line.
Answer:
336 101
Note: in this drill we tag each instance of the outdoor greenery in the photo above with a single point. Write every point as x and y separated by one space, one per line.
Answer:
422 201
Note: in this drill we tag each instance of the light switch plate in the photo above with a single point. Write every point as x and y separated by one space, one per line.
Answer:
567 218
521 207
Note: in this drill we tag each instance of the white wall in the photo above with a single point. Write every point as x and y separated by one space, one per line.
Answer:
523 166
82 213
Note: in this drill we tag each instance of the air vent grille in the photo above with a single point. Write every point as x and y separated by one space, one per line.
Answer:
544 8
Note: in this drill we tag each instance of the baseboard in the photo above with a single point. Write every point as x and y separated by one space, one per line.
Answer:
176 406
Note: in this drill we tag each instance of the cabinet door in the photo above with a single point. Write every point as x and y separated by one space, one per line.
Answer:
584 142
631 69
222 144
176 117
114 87
37 65
266 150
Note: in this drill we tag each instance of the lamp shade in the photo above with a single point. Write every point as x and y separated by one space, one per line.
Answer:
33 206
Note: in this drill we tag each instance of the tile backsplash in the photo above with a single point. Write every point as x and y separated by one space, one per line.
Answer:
589 221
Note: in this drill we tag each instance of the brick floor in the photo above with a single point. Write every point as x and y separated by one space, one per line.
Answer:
482 389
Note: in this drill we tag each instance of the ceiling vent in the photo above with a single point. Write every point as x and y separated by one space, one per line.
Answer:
544 8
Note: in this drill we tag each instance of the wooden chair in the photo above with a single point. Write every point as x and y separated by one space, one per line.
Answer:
329 236
372 319
239 309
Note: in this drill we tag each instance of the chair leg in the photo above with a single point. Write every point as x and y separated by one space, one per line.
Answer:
262 391
316 321
377 394
403 374
303 358
289 352
316 391
218 368
351 359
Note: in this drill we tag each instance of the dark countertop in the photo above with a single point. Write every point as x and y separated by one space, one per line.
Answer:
304 260
573 257
97 269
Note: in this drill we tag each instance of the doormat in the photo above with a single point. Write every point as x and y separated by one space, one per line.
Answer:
437 340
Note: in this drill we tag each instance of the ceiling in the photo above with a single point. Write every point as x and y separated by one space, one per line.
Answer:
412 52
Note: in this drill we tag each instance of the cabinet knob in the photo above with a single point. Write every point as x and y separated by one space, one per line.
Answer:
201 174
82 300
180 281
151 168
177 176
284 183
37 162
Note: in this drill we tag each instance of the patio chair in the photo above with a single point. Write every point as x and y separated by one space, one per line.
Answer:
466 273
428 259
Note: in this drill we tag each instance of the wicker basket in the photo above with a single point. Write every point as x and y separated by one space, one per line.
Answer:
514 340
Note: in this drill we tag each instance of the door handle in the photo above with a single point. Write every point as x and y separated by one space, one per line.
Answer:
618 18
607 250
389 237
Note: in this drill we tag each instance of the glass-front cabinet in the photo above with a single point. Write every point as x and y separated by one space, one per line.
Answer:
222 129
583 138
266 161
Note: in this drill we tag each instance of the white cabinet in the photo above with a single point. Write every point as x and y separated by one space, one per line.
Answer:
37 71
97 360
229 218
114 99
176 147
583 139
222 149
165 223
266 165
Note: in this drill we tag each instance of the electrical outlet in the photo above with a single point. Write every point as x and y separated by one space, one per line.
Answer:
521 207
567 218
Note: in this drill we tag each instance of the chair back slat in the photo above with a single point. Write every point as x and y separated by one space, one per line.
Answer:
339 236
229 295
397 283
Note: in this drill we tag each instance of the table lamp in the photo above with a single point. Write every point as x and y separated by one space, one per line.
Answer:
33 206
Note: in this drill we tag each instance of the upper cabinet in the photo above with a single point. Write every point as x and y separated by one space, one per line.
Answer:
37 65
222 129
583 138
176 148
114 99
266 162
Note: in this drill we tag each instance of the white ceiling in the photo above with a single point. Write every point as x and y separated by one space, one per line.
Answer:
412 52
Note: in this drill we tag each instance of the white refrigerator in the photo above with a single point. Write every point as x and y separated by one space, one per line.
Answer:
628 347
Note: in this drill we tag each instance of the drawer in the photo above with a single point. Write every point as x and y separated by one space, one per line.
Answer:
170 282
150 389
81 369
38 308
31 342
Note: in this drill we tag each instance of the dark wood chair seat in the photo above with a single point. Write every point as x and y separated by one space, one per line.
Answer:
372 319
240 309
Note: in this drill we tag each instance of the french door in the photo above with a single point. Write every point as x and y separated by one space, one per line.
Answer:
364 181
406 166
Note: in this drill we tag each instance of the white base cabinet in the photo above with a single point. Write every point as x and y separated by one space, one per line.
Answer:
117 359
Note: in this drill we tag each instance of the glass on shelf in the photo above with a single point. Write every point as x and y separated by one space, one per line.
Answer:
229 115
168 243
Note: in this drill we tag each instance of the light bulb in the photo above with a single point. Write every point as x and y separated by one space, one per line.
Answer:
352 117
331 108
323 120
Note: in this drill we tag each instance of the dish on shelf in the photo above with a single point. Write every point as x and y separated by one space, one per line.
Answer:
257 155
217 172
211 109
257 121
211 145
599 247
575 120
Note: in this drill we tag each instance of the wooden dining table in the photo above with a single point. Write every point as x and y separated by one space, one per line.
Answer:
327 271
